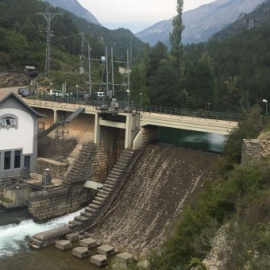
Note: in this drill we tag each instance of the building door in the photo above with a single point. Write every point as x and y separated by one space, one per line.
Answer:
27 160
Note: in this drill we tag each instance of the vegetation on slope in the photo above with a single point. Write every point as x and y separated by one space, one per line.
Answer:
226 74
239 200
23 31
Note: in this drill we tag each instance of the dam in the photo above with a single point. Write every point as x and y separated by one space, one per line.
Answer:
145 185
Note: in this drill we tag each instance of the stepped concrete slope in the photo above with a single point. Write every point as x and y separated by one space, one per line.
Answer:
163 180
98 207
80 170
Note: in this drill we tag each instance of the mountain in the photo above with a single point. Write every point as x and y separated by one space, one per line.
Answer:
201 23
260 16
76 8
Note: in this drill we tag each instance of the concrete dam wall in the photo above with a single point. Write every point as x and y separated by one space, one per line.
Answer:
162 182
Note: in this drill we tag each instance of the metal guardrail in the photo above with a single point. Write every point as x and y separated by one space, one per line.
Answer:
123 106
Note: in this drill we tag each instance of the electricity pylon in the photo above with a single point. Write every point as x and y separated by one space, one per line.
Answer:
48 16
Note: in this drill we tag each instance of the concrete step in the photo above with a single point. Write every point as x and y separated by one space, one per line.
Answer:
119 166
90 209
103 192
74 224
120 170
96 202
112 183
109 189
87 214
109 185
111 178
100 199
81 218
116 173
94 206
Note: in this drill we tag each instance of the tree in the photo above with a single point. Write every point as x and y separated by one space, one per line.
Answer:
164 87
176 35
204 82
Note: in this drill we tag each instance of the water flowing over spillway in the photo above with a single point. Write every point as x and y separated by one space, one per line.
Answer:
14 236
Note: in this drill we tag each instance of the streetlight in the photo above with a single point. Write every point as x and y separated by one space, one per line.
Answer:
128 96
77 86
140 102
266 106
140 110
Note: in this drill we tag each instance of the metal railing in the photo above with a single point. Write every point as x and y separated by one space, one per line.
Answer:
123 106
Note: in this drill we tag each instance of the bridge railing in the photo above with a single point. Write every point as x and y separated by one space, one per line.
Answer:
123 105
190 113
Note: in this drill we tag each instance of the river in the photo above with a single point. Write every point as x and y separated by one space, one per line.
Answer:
16 227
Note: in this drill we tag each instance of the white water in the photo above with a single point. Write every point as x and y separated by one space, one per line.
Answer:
216 140
14 236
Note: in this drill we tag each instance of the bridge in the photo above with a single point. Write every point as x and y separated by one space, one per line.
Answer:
138 125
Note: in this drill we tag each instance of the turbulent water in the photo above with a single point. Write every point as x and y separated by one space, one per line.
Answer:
13 236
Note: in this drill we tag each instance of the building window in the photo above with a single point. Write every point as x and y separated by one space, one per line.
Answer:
17 159
7 160
8 121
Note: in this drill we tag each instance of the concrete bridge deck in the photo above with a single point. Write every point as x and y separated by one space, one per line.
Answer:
202 124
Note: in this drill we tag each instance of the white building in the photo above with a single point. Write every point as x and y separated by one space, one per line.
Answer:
18 136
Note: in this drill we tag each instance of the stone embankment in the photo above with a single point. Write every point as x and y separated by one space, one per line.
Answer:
254 150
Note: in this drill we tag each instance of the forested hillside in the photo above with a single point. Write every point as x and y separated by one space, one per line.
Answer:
225 74
23 37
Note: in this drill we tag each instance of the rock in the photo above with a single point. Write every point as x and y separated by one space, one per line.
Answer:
80 252
106 250
63 245
124 257
99 260
89 243
72 237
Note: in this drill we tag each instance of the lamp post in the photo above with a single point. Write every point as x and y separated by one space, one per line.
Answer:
266 106
77 87
140 111
128 96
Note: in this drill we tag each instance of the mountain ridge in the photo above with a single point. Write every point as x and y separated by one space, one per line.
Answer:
200 23
76 8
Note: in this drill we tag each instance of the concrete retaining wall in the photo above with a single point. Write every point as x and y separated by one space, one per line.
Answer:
15 196
47 204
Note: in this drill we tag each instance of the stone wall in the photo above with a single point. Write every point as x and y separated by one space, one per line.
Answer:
254 150
47 204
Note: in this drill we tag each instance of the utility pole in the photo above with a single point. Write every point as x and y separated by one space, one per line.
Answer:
82 53
48 17
112 71
89 69
107 73
128 69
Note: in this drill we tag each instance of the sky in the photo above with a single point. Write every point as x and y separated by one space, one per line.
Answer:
135 15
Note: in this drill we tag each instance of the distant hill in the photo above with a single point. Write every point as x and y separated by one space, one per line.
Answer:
201 23
76 8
